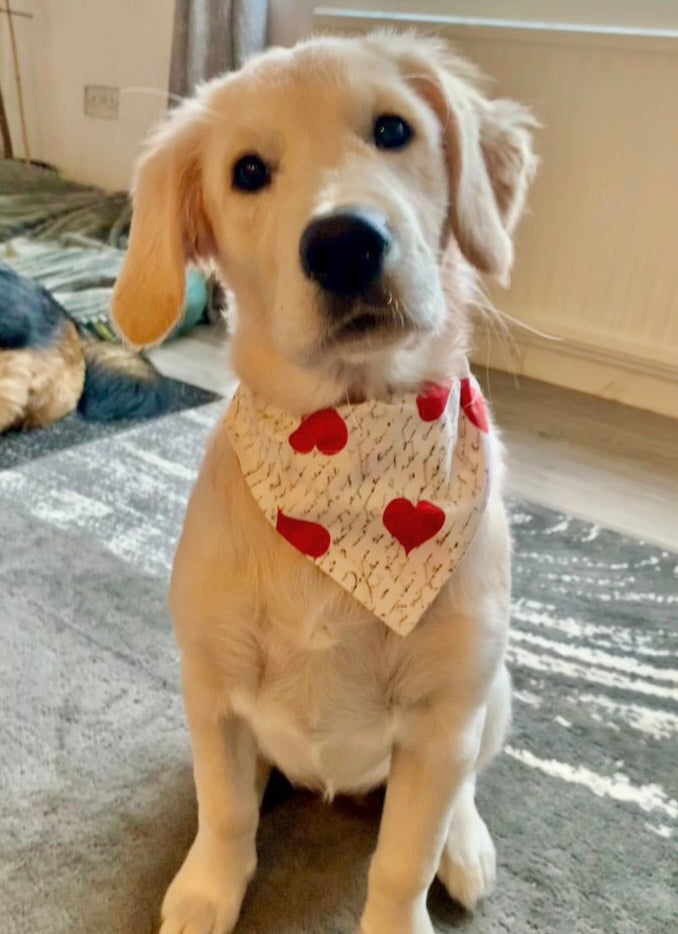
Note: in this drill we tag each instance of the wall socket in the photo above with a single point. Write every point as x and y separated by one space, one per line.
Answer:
102 101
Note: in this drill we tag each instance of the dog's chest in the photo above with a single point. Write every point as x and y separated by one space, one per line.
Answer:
321 715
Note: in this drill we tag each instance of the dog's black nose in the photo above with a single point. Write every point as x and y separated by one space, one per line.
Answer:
344 252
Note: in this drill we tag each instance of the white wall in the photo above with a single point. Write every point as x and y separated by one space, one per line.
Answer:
124 43
291 19
71 43
24 30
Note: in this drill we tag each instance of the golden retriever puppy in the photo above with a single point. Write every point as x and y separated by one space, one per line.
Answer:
349 190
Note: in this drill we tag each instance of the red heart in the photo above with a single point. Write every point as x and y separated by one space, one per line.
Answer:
413 525
433 401
325 430
310 538
473 404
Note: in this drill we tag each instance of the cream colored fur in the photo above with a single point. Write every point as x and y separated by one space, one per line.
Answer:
279 664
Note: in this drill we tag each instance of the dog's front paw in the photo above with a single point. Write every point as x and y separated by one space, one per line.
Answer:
468 862
207 892
424 926
395 917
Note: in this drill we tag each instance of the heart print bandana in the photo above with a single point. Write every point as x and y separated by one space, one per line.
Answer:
385 497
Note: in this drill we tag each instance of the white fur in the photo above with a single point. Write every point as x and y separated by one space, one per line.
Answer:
279 664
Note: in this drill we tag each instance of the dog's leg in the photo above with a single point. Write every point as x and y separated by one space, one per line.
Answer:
427 773
263 775
207 892
15 385
468 862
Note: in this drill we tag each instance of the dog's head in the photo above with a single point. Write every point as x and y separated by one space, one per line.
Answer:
328 182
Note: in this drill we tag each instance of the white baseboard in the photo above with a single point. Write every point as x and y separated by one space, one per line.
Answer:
584 368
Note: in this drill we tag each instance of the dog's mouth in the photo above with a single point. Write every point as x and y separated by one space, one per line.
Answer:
368 322
360 325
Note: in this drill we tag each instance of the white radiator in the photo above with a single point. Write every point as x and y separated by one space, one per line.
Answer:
597 256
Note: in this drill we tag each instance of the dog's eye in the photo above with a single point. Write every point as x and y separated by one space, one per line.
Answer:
391 132
250 173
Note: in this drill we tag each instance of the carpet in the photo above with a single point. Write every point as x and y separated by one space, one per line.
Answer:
97 806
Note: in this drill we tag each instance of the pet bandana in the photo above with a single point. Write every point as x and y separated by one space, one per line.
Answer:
385 497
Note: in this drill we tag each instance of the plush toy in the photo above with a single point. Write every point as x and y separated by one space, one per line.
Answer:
195 302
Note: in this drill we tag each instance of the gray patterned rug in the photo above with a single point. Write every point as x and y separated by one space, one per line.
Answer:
96 798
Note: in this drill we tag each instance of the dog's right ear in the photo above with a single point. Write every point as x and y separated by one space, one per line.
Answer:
169 228
490 163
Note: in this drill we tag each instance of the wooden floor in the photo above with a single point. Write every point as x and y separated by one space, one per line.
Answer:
601 461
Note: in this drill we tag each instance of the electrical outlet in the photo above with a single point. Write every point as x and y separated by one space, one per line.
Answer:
102 101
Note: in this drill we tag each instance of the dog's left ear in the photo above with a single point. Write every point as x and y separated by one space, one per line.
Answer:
488 151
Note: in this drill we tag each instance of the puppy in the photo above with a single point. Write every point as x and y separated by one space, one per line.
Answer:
350 191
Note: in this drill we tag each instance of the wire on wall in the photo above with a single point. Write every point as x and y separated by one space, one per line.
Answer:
7 150
17 78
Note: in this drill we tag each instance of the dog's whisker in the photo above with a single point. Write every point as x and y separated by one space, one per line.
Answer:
492 322
496 327
528 327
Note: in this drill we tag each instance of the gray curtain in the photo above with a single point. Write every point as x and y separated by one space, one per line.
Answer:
213 36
